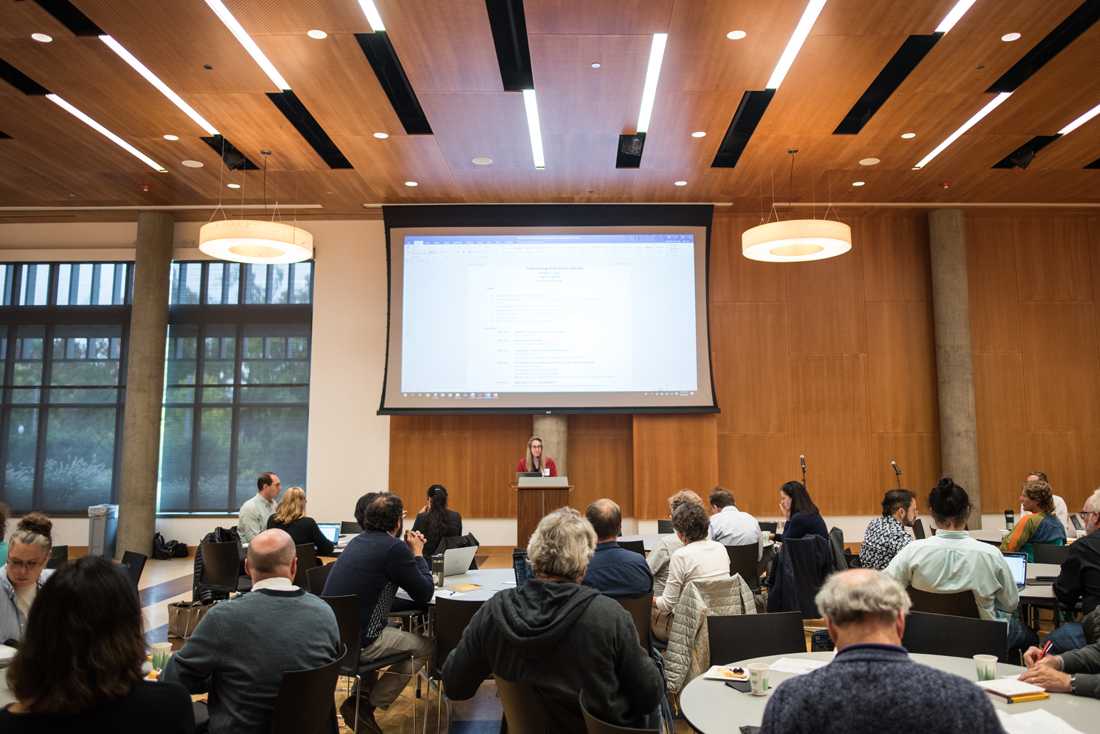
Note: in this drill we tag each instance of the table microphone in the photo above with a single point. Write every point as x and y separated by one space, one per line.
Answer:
802 461
897 472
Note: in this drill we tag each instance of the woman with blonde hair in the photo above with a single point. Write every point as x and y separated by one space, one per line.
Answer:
291 516
535 461
24 573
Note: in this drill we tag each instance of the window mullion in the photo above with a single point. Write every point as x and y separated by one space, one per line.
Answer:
235 417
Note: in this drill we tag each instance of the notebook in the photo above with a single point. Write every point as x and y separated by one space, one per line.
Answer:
1017 563
1013 689
330 530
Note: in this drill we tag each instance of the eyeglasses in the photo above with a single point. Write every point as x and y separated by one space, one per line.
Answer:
24 565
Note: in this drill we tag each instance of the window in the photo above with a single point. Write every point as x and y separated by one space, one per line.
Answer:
236 395
63 336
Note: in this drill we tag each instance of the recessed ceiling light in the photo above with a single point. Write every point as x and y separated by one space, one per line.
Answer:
42 37
736 35
172 138
250 46
699 134
794 44
596 64
908 136
1080 121
191 164
114 138
232 186
680 183
373 16
974 120
1010 37
482 160
869 161
954 15
652 74
534 131
857 184
316 34
412 184
381 135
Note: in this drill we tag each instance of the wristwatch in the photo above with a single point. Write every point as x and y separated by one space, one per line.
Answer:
1073 684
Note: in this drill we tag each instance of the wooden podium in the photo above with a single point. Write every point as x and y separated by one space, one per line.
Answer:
536 497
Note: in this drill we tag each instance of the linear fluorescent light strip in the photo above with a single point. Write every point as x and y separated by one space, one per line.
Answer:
954 15
989 107
531 105
794 45
250 46
163 88
652 74
1080 121
63 104
373 16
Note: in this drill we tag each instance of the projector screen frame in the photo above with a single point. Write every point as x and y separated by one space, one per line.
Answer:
536 217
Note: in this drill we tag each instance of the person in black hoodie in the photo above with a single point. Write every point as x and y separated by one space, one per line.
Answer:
560 637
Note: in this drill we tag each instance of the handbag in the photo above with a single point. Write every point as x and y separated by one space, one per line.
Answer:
184 617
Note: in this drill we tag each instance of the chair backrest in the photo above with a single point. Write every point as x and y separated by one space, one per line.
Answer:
452 616
524 712
918 529
770 527
744 560
944 634
307 559
664 527
836 543
347 527
745 636
305 703
135 564
637 546
1049 553
346 609
641 610
317 576
593 725
221 564
959 603
59 556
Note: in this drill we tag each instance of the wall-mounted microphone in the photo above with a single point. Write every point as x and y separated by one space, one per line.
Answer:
897 472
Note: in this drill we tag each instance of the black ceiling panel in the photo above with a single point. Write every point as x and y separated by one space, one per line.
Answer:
1022 156
749 111
900 65
296 112
395 83
21 81
70 16
630 149
509 27
234 159
1064 34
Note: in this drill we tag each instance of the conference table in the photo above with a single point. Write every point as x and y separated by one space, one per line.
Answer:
711 706
650 540
486 583
989 535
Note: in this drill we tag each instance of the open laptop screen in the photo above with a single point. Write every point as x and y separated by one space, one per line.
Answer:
330 530
1017 563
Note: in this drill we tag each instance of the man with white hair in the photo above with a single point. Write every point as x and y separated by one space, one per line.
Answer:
865 612
559 636
1079 579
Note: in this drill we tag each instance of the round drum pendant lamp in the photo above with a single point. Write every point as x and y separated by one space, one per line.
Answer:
255 242
796 240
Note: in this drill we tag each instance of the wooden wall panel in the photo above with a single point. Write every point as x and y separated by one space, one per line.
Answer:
901 367
753 388
672 452
601 460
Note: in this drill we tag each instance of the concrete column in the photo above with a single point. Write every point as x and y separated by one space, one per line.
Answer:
144 384
554 431
954 371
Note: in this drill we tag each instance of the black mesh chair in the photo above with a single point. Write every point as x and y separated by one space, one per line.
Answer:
745 636
637 546
744 560
593 725
641 610
1050 553
307 559
59 556
221 563
349 527
316 578
524 711
944 634
304 704
958 604
134 564
452 616
918 529
664 527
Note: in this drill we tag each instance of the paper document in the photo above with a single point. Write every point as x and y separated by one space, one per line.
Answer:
1011 686
797 666
1034 722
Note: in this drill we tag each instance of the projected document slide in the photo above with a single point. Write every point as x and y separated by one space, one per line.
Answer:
549 320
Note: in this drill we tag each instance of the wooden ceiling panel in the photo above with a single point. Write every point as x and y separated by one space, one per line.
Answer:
599 17
491 124
265 17
18 20
386 164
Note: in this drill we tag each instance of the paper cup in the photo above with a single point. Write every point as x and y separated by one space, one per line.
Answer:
985 666
758 679
161 652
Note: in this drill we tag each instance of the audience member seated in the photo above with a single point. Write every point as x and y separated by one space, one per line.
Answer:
373 566
361 506
435 522
561 636
802 515
239 652
4 511
78 668
872 684
729 525
22 576
700 558
1079 578
613 570
668 543
952 561
1039 525
1061 510
886 535
291 517
252 519
1073 671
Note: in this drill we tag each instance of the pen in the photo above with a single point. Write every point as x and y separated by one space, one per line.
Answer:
1046 649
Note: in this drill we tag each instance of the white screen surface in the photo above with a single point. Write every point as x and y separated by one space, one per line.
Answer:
526 318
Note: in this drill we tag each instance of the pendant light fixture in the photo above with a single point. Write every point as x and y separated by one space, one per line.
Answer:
254 241
796 240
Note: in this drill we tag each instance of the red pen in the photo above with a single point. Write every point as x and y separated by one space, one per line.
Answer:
1046 649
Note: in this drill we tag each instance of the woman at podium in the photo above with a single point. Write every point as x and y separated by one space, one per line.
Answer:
535 461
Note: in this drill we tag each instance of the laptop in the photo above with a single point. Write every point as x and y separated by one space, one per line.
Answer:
1076 520
1017 563
330 530
457 561
528 474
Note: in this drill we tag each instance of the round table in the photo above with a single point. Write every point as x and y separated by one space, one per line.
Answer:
488 580
711 706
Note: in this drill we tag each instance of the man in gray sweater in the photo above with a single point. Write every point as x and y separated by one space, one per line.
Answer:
242 647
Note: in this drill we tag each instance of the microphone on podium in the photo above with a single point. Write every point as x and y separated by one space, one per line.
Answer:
897 472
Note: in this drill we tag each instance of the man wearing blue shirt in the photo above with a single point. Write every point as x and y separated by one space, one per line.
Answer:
613 570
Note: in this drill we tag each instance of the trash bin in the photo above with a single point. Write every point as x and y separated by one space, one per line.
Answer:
102 530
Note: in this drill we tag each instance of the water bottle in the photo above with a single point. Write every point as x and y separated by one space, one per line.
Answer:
437 569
